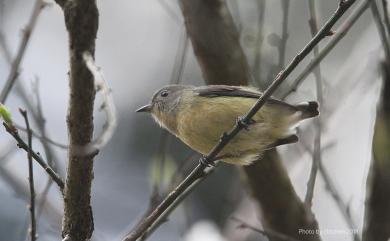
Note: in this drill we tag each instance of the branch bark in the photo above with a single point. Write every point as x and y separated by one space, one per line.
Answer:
81 20
33 227
21 144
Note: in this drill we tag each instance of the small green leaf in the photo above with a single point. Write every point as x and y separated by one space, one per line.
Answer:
5 114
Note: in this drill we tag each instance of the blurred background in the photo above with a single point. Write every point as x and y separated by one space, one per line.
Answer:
137 47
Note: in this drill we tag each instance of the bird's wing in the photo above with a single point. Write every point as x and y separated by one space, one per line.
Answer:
237 91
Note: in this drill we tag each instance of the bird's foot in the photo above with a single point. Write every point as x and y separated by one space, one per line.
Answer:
245 125
206 162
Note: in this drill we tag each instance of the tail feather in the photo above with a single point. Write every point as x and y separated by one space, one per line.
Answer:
308 109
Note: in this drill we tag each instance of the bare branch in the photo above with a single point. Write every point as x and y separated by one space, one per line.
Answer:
335 193
33 229
172 207
317 139
37 115
332 188
199 171
38 6
21 144
340 34
386 16
42 138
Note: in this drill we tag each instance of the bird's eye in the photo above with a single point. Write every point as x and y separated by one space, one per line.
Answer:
164 93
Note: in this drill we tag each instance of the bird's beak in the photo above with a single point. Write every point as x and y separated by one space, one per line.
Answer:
145 108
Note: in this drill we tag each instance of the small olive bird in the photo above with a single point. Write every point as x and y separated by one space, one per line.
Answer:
200 115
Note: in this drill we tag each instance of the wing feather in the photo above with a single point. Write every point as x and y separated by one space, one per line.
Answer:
213 91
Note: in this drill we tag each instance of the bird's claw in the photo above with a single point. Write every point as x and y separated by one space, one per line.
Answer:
206 162
245 125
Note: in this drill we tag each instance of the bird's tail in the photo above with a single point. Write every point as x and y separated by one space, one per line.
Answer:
308 109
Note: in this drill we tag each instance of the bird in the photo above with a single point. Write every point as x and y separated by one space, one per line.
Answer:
199 116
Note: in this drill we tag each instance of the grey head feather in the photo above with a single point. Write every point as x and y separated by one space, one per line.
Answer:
167 98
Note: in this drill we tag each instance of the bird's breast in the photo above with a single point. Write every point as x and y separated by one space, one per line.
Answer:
202 122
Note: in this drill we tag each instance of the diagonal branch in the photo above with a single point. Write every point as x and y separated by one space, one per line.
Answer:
386 15
21 144
199 171
340 34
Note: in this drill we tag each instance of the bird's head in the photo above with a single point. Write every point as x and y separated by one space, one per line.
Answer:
165 104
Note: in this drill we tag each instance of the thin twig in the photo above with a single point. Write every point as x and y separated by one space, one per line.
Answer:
168 211
49 153
33 228
331 187
313 24
37 116
42 138
340 34
199 171
268 233
38 6
19 188
386 16
21 144
381 29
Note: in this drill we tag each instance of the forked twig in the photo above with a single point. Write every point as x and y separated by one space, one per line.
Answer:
21 144
340 34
